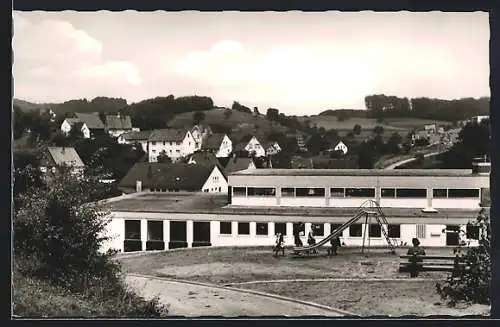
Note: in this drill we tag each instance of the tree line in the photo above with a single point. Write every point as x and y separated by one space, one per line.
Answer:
383 106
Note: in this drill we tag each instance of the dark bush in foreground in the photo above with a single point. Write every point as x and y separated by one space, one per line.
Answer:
59 231
470 279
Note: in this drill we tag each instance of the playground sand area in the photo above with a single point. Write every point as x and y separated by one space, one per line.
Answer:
233 265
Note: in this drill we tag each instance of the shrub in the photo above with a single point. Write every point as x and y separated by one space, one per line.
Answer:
59 231
471 275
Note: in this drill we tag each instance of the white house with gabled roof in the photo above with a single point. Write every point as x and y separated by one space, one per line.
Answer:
341 147
175 143
254 146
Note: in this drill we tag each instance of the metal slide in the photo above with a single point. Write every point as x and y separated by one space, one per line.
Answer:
363 211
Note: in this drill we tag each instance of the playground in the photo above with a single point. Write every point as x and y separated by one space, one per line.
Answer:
366 283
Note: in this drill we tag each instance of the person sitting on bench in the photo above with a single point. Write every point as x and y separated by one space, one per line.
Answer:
415 252
280 244
311 240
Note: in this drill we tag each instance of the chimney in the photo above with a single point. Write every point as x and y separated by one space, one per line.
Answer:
138 186
481 166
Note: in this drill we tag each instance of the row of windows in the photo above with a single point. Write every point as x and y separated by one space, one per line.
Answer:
168 143
356 192
355 230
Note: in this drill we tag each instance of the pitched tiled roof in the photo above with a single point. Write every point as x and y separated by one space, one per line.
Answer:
213 142
137 136
178 176
92 120
67 156
168 134
118 122
204 158
237 164
73 121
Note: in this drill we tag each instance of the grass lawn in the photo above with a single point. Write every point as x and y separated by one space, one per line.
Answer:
228 265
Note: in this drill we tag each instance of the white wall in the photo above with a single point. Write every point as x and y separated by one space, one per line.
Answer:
226 148
303 201
433 235
214 181
254 200
403 203
347 202
463 203
65 127
255 146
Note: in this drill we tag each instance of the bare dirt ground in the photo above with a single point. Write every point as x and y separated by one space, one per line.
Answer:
195 300
363 297
368 298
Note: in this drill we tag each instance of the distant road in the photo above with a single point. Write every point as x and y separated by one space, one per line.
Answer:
405 161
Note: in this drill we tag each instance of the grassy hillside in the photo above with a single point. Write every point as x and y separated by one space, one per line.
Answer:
240 123
390 124
30 106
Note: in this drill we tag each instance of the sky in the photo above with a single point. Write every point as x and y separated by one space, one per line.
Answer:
298 62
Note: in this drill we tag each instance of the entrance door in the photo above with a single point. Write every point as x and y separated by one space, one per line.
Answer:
452 235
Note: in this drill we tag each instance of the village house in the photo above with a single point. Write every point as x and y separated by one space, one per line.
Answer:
174 177
430 128
140 137
92 123
117 125
199 133
341 147
74 123
255 147
219 144
174 143
55 157
272 148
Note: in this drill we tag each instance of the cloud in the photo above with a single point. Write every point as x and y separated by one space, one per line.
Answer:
52 55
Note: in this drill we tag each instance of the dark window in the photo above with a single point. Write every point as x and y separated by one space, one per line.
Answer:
280 228
287 191
261 229
394 231
411 193
318 229
261 191
333 227
463 193
388 193
239 191
243 228
472 232
360 192
374 230
337 193
439 193
298 228
132 229
356 230
225 227
310 191
155 230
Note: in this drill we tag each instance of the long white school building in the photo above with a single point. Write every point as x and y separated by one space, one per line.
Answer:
433 205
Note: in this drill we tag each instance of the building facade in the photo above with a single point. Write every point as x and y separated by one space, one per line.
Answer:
432 205
174 143
254 146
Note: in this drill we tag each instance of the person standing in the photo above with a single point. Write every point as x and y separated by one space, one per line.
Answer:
415 260
335 243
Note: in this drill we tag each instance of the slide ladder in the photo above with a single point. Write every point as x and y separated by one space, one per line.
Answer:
368 207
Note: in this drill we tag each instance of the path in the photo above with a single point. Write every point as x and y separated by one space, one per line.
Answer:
402 162
194 300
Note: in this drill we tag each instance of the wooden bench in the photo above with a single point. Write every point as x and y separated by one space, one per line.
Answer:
429 263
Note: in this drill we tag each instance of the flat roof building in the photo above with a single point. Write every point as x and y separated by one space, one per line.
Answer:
433 205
